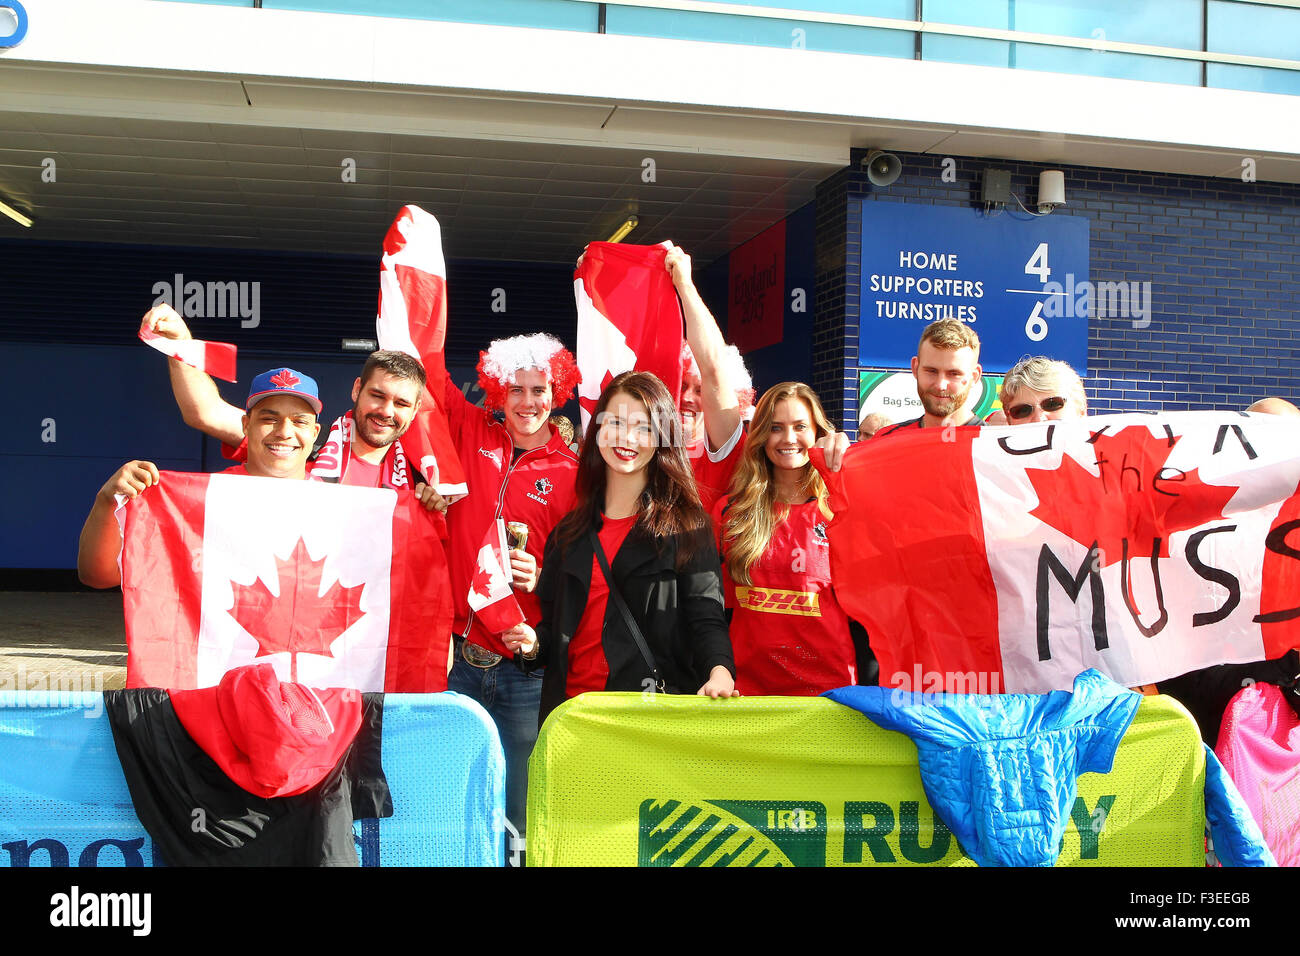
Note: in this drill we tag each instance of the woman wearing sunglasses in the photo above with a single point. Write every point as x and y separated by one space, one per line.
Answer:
1041 389
631 589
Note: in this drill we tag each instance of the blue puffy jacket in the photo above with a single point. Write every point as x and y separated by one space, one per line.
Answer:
1002 770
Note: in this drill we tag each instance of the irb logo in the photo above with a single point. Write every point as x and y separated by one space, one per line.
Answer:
797 819
731 833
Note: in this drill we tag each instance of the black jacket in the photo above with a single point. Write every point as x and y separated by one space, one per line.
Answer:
680 614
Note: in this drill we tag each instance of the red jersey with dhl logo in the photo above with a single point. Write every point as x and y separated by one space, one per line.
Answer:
789 633
535 487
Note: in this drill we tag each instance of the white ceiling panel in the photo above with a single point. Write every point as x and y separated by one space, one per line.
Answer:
150 157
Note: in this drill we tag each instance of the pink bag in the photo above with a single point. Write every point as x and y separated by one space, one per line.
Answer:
1259 744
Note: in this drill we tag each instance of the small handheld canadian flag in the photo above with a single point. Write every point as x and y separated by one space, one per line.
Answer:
215 358
490 596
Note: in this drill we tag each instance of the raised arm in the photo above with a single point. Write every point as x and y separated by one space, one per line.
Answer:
101 540
200 403
717 392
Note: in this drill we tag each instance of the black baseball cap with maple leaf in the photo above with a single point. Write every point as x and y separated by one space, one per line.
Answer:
284 381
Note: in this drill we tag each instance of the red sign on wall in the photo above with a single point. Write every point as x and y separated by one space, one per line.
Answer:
756 291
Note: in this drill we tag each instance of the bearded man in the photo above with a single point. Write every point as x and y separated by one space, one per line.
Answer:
947 369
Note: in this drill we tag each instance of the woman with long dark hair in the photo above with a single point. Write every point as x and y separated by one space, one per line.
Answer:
631 589
790 635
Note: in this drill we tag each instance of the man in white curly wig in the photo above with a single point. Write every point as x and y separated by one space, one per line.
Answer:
520 469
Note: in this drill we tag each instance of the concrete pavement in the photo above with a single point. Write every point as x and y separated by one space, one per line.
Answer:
62 641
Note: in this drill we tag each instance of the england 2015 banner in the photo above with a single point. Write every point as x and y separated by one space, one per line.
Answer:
1012 558
1021 285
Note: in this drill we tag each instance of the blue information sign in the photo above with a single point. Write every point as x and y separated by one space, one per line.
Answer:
1011 279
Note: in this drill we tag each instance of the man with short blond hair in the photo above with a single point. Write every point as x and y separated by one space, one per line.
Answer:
950 334
946 368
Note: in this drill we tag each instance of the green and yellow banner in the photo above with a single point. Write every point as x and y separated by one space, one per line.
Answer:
657 780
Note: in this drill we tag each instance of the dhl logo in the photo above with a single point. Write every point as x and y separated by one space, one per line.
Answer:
776 601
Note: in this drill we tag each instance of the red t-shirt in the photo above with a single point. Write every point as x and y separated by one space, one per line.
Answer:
588 669
789 633
713 478
362 474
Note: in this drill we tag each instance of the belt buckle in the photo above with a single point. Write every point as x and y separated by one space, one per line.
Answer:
479 657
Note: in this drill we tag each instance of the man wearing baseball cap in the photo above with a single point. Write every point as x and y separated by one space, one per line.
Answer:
362 446
279 424
280 427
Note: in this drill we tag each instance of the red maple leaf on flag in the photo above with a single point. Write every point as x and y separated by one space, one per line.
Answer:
589 404
482 583
284 379
300 620
1136 498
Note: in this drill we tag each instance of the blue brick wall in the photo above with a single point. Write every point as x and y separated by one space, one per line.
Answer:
95 293
839 268
1220 253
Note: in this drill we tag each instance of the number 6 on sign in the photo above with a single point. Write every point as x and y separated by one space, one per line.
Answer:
1036 326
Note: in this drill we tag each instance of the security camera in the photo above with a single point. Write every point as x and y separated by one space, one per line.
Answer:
1051 190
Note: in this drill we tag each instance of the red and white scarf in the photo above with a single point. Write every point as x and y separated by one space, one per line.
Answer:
331 461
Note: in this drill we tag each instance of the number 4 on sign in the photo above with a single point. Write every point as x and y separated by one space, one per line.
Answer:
1037 264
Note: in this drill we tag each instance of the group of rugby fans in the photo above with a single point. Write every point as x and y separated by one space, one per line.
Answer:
679 550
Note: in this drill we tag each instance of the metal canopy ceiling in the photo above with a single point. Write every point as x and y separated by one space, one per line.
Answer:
500 193
170 158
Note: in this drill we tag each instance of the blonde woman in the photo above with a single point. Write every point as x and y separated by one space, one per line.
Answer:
790 635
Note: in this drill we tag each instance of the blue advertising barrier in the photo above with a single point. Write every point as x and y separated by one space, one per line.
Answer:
64 800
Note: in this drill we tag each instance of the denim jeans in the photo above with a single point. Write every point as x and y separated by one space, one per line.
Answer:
512 698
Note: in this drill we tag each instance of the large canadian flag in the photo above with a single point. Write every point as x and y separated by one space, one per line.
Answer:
413 319
628 318
1010 559
335 586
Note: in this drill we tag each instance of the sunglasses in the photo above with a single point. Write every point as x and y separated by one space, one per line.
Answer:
1053 403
